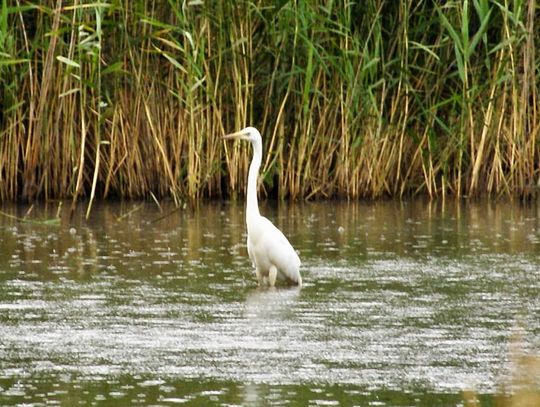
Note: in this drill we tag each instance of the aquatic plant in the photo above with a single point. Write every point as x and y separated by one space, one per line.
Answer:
354 99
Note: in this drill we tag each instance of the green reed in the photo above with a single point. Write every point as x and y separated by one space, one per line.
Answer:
354 99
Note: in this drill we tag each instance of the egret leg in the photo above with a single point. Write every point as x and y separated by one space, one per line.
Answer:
260 278
272 275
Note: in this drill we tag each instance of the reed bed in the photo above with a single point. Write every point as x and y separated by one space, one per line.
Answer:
354 99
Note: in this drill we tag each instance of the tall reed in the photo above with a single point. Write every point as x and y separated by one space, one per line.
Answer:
354 99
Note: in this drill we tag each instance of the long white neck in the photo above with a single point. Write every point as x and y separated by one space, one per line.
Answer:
252 208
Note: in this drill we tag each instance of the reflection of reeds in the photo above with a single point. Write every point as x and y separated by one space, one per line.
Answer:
527 393
353 99
522 387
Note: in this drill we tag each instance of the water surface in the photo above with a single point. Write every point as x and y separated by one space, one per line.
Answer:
409 303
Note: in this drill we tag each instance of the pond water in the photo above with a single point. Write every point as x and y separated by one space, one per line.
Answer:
403 303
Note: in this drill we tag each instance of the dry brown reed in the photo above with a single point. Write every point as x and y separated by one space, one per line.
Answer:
362 99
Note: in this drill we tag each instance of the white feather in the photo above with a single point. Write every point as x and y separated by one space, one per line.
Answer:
269 250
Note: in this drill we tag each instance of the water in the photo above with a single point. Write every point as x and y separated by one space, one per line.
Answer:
403 304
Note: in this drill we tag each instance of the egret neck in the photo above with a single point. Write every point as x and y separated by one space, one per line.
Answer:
268 248
252 207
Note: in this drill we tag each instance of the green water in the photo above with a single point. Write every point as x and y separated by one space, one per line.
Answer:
403 304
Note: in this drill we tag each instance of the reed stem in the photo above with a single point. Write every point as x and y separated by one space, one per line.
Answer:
354 99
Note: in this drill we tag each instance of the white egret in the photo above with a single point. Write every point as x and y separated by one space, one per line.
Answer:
269 250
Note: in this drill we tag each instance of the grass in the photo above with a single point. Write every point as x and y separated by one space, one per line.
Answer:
354 99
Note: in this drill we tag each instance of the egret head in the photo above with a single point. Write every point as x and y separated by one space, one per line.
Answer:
248 133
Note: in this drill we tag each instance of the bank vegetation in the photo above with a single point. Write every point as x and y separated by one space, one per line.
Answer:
354 99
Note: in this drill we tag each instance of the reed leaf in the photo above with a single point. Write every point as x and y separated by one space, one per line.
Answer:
354 99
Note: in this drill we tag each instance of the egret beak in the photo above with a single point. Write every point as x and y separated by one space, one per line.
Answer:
242 135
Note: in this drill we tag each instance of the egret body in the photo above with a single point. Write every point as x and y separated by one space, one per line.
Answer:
269 250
